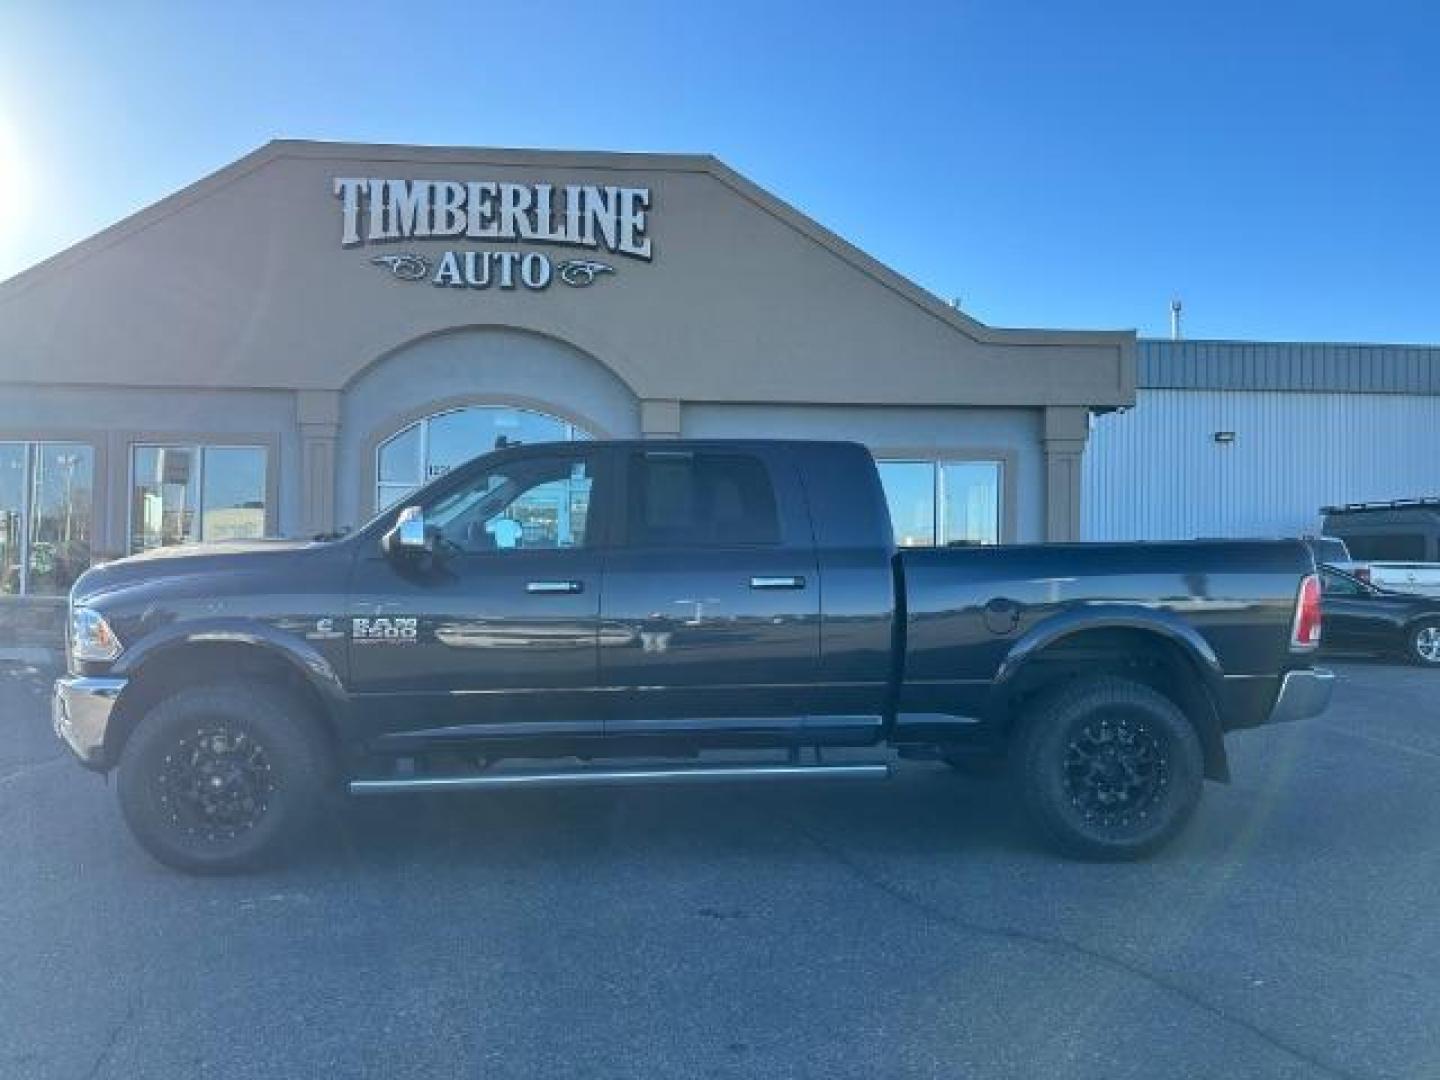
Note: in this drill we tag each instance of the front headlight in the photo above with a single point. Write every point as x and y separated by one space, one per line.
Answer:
91 637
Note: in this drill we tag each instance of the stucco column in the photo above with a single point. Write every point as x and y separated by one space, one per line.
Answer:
318 412
660 418
1066 429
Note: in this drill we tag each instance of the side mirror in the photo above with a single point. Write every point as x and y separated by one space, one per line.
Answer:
409 534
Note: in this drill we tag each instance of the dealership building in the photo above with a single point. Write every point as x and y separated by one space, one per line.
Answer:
309 334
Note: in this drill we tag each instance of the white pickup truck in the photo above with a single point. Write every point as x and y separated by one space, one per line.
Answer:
1406 577
1393 545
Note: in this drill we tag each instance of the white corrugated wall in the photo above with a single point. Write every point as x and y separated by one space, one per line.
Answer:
1156 472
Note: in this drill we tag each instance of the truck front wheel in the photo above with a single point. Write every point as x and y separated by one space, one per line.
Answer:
1108 768
215 779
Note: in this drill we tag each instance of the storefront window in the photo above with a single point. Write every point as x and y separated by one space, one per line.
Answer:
944 503
970 502
191 494
433 446
13 470
45 516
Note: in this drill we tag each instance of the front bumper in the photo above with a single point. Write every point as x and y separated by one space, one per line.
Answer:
1303 694
80 711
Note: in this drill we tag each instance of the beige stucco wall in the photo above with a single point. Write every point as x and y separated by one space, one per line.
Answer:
241 282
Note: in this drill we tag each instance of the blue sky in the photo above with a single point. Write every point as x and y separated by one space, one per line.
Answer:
1061 164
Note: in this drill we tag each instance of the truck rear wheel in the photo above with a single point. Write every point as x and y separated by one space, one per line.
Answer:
216 779
1108 768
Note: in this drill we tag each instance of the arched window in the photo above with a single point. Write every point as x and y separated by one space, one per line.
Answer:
433 446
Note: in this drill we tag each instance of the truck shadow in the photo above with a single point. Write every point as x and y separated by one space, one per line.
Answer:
923 810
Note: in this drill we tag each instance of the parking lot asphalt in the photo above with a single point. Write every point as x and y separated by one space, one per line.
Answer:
912 928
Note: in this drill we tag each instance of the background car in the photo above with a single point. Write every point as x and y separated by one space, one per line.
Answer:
1359 617
1396 543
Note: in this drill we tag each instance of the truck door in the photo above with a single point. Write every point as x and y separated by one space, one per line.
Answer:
496 633
710 622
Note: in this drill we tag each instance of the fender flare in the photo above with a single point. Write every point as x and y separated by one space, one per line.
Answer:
297 653
1163 624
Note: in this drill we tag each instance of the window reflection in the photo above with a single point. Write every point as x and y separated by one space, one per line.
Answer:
910 491
12 515
232 502
185 494
946 503
433 446
60 526
532 504
971 494
45 516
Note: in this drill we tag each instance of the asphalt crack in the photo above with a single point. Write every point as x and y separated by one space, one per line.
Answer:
1062 945
108 1050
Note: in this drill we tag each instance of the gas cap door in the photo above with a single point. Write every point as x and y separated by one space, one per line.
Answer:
1002 615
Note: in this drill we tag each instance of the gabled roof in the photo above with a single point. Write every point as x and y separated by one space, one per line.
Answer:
276 149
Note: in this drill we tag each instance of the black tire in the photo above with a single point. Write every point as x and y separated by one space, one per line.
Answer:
273 771
1108 769
1418 642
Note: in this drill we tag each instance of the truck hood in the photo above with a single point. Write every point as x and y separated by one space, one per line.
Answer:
204 551
186 561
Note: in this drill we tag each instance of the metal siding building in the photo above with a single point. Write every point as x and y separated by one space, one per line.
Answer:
1313 424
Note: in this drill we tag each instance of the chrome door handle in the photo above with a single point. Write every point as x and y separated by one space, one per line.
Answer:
554 586
777 582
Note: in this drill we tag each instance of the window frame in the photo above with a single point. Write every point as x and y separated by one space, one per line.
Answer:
198 444
937 459
31 439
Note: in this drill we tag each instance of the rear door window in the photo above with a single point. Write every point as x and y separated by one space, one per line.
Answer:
701 499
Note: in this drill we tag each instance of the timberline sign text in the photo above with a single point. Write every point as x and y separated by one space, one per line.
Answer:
594 217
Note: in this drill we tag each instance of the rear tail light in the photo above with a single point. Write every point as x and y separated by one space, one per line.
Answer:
1305 634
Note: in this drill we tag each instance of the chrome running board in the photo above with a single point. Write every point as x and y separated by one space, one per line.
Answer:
589 777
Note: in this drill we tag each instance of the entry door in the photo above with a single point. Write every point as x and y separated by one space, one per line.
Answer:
710 620
496 634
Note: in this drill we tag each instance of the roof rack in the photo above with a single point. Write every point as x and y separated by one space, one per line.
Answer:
1393 504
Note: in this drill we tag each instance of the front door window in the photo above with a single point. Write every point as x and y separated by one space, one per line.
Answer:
433 446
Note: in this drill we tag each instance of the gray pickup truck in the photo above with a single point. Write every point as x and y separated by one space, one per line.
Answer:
664 612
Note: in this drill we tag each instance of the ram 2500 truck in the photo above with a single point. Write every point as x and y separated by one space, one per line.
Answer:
642 612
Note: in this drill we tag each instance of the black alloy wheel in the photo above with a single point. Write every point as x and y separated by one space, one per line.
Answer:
1108 768
216 783
217 779
1116 769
